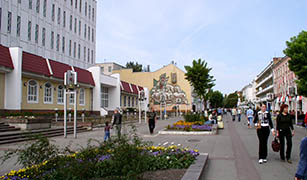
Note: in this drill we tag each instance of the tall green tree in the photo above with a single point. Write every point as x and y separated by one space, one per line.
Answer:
231 100
297 51
216 99
135 66
199 77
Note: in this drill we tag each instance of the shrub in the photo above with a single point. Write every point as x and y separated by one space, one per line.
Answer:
194 117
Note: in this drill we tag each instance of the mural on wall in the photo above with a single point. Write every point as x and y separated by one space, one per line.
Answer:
164 92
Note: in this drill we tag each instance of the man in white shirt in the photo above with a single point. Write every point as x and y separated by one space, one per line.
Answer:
250 116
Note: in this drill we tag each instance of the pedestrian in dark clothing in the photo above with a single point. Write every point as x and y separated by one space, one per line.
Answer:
301 172
152 117
264 118
107 131
117 122
305 121
285 129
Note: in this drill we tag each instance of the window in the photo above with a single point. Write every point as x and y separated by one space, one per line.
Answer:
19 1
0 17
85 9
75 46
93 38
57 42
85 31
93 14
132 101
129 101
29 30
104 97
76 4
37 6
44 8
79 51
70 22
75 29
52 40
80 6
18 26
32 92
136 101
79 28
59 15
9 22
36 33
125 101
52 12
89 12
82 97
88 55
69 51
64 18
71 3
71 98
102 69
63 44
44 37
92 60
60 94
30 4
89 34
110 68
48 93
84 52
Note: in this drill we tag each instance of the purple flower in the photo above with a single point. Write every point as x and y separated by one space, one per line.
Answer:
104 157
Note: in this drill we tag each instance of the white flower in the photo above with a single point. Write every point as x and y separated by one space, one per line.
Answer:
179 144
159 144
167 157
172 143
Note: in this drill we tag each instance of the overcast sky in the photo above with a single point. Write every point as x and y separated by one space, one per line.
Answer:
237 38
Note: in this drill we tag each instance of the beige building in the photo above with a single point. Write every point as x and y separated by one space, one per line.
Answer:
167 86
108 67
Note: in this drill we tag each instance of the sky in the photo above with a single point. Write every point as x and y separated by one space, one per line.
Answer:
237 38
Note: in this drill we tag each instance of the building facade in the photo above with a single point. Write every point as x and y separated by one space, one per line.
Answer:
264 86
64 30
168 88
108 67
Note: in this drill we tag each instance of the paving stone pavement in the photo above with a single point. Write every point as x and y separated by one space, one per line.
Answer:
233 153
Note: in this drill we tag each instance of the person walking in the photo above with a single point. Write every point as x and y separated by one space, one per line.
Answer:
305 121
233 113
239 114
152 119
117 122
250 115
264 125
107 129
285 129
301 172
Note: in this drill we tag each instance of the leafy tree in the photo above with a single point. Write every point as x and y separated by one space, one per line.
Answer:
135 66
297 51
199 77
216 99
231 100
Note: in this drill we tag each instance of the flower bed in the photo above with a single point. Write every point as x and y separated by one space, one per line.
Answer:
189 126
124 162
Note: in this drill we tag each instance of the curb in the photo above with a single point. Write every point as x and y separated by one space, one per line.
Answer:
195 171
213 132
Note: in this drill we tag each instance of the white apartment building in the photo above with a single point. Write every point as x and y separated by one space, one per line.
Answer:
61 30
265 86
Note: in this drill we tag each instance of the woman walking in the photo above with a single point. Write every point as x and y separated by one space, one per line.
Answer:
285 129
264 125
152 117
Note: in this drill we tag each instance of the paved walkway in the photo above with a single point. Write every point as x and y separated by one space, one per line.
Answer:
233 153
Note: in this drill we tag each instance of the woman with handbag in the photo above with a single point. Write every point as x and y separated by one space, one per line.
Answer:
264 125
285 129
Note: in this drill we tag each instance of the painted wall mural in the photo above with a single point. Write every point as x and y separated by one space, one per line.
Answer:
165 92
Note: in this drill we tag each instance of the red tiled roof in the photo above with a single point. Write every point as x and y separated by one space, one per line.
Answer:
135 89
140 88
126 87
34 64
59 68
84 76
5 57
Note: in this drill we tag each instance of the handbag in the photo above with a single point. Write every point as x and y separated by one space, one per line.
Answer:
276 145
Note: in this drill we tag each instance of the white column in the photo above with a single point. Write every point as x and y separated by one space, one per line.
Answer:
13 82
75 113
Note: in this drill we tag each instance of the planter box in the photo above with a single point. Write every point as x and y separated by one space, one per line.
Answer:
214 131
29 124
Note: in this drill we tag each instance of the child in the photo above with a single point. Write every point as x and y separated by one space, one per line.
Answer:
107 131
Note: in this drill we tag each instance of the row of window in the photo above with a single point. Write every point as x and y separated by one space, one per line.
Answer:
88 10
130 101
33 95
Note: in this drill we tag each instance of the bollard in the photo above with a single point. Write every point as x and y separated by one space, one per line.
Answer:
56 114
83 114
69 115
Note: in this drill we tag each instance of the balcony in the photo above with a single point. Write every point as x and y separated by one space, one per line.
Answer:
264 80
265 90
